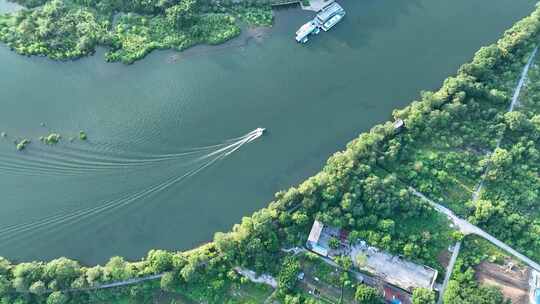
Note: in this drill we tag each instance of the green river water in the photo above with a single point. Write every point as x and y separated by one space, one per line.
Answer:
312 99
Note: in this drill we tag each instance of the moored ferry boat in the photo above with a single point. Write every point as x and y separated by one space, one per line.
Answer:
325 19
304 31
332 21
328 12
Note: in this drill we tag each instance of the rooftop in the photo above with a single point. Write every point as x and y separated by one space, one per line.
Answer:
398 124
315 232
393 269
329 11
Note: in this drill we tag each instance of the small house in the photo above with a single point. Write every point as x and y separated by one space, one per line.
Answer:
314 238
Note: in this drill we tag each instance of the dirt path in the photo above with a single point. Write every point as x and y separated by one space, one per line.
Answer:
513 282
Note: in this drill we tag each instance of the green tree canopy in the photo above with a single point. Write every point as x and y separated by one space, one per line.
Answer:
423 296
288 276
367 295
57 297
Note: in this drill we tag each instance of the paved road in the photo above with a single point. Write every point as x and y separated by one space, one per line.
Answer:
108 285
122 283
449 269
468 228
522 80
513 104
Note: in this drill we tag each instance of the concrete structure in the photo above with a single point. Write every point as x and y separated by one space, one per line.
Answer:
394 272
320 236
398 124
314 239
392 269
316 5
534 289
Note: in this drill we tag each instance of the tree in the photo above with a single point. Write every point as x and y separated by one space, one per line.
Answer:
189 272
345 262
117 269
483 211
501 158
57 298
5 286
26 273
517 121
334 243
160 260
409 250
290 299
361 260
5 266
300 218
94 275
168 282
367 295
38 288
181 16
457 235
63 270
423 296
387 225
288 275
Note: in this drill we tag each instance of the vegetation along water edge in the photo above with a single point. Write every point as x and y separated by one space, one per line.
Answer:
451 139
70 29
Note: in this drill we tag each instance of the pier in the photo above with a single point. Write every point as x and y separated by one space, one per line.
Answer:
316 5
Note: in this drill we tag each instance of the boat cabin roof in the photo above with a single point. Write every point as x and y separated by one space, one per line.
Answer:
305 29
329 11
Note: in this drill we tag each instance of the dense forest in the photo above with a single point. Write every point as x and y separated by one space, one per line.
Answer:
130 29
452 139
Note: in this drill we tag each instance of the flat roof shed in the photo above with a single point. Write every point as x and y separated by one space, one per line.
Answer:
394 270
315 233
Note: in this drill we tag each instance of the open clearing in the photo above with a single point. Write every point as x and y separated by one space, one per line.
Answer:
513 283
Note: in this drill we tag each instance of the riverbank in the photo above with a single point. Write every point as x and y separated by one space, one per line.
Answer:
120 107
136 31
362 189
248 34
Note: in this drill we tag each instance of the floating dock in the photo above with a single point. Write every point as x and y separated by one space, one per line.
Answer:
325 19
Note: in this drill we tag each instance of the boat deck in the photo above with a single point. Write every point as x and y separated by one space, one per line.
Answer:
326 18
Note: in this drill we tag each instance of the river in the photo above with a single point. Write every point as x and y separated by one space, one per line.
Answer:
312 99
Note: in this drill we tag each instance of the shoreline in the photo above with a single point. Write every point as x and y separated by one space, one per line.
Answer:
247 34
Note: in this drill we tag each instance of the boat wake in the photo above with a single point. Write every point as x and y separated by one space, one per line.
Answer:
221 151
75 162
